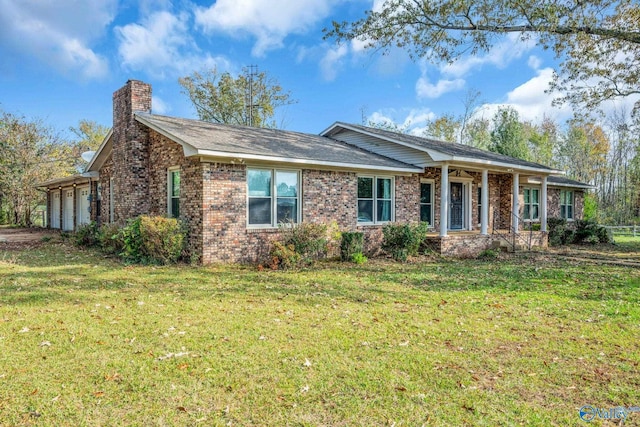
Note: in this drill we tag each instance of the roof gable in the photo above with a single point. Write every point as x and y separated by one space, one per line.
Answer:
439 151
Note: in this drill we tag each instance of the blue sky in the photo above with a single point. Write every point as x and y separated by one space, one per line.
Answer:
63 59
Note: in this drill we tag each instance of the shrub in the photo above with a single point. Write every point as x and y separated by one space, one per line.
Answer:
588 231
109 239
163 239
87 235
403 240
132 241
358 258
489 254
558 232
352 243
145 239
309 240
283 256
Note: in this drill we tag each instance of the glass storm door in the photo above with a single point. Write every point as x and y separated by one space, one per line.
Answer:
457 203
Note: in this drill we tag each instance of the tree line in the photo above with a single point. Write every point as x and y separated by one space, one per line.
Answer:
32 152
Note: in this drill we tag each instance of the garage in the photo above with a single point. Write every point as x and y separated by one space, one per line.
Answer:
83 215
67 209
55 209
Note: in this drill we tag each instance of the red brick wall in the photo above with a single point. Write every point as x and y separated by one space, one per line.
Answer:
105 176
131 150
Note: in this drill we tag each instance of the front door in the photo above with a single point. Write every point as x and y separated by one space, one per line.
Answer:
456 221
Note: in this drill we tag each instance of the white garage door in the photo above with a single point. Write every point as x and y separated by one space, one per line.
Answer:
67 210
55 209
82 198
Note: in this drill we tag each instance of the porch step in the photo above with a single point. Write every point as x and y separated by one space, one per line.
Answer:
505 246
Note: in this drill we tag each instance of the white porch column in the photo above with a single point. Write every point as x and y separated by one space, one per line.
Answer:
444 200
516 202
543 205
484 203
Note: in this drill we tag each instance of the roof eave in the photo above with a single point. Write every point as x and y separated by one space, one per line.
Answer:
84 177
503 165
565 185
243 157
98 154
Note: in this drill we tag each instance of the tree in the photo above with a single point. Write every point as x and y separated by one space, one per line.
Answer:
249 100
477 133
599 40
445 128
30 152
584 151
89 137
508 135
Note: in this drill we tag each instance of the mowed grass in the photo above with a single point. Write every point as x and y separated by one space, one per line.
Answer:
85 340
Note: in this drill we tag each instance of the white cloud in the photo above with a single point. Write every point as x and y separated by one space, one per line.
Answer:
500 56
425 89
269 21
332 61
531 101
161 46
159 105
534 62
58 33
414 121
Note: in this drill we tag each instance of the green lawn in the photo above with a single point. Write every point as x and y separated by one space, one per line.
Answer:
85 340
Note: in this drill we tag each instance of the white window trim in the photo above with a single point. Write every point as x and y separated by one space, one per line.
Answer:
573 204
375 199
169 183
433 204
274 197
539 203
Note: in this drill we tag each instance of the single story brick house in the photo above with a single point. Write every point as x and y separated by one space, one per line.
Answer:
233 185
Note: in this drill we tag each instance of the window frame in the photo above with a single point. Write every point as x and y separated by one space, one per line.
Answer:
530 204
431 202
375 199
170 196
563 194
274 196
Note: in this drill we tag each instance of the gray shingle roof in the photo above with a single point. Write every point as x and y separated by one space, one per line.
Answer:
268 143
453 149
566 182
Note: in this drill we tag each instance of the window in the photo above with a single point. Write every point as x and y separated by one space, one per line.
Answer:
566 204
375 199
426 202
531 204
273 197
173 208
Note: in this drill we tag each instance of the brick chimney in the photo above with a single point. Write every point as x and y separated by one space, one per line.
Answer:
130 150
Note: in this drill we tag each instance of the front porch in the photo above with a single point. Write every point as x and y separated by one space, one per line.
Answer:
469 244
